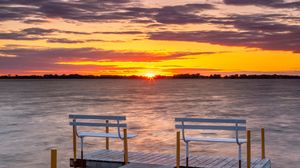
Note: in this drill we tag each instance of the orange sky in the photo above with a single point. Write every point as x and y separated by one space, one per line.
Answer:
131 37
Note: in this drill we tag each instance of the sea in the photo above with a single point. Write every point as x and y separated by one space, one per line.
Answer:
34 116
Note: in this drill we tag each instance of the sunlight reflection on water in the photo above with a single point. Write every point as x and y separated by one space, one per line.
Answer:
34 115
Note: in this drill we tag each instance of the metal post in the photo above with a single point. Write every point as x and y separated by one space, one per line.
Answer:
82 152
187 154
263 143
178 149
240 156
248 149
125 147
53 158
107 139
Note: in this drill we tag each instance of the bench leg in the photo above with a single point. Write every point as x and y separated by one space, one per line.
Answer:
240 156
81 138
187 154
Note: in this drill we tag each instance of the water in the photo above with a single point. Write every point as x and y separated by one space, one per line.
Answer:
34 115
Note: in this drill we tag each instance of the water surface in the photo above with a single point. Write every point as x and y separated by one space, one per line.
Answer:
34 115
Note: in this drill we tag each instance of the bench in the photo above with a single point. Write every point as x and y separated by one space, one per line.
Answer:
107 122
236 125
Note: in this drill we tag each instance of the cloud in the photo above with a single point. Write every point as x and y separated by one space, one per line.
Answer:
269 3
121 32
193 70
23 59
285 41
35 21
40 34
182 14
80 10
63 40
259 31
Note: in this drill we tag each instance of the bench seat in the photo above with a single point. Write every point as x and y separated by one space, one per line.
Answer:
105 135
226 140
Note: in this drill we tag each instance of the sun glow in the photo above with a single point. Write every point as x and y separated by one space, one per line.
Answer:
149 75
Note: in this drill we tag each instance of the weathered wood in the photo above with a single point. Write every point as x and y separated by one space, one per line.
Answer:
137 158
140 165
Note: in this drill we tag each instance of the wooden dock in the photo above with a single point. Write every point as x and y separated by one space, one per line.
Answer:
139 160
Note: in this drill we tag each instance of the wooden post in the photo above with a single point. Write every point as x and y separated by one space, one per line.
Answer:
74 143
248 149
262 143
178 149
107 139
125 147
53 158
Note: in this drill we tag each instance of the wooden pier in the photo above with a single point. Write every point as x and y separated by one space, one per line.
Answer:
115 159
125 159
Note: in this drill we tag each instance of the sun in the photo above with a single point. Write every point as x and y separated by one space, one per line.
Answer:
149 75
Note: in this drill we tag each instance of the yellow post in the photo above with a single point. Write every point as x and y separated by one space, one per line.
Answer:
178 149
262 143
125 147
107 139
53 158
74 143
248 149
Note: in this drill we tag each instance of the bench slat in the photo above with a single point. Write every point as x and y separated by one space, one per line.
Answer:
210 127
105 135
228 140
209 120
79 116
97 124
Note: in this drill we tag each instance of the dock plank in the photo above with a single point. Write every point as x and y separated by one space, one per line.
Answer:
136 158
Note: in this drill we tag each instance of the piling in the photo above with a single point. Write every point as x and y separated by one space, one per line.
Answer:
248 149
263 143
178 149
53 158
107 139
125 147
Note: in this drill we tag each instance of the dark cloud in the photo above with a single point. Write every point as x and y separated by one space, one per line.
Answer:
80 10
182 14
64 40
24 59
281 41
96 11
193 70
260 31
269 3
35 21
36 34
122 32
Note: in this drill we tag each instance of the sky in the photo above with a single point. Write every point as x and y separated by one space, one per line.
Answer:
158 37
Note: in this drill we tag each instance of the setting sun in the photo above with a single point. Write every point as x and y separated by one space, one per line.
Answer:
149 75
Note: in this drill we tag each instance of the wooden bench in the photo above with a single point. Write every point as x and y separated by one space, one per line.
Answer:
106 122
236 125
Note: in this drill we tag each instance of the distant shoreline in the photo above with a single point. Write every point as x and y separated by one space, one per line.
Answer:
177 76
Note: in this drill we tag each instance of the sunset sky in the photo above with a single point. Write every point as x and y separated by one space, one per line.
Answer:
138 37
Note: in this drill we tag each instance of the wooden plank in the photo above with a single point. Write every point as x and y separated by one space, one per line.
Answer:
200 160
224 162
140 165
217 162
169 160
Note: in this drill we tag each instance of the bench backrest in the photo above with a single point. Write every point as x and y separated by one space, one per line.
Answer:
104 121
193 123
211 124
